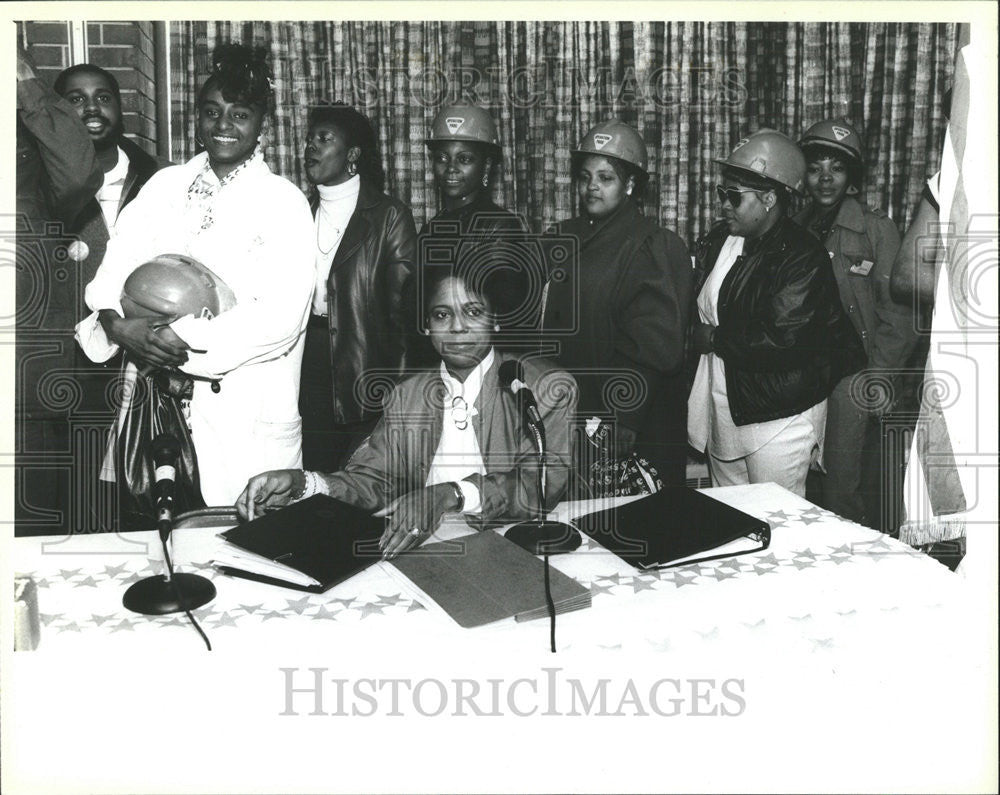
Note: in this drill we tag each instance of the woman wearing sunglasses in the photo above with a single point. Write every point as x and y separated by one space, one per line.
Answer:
450 439
771 331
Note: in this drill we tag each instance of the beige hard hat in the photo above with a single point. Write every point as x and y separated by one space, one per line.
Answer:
614 138
463 121
175 285
771 154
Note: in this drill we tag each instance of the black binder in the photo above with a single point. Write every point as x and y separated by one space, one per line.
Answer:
326 540
674 527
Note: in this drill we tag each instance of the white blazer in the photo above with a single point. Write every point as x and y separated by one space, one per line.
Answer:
261 244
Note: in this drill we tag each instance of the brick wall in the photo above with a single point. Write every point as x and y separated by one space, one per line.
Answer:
123 48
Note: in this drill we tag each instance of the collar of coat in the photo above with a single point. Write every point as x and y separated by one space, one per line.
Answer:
851 215
626 218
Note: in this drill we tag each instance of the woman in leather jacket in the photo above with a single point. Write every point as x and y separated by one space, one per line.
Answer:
365 249
773 337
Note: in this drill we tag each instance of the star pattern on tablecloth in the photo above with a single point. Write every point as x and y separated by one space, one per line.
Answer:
370 609
125 625
639 584
776 518
224 620
596 589
390 600
298 606
366 603
682 578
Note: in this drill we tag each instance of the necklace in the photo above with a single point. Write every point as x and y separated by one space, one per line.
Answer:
334 238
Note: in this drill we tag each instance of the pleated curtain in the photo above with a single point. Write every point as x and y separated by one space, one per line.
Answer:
691 88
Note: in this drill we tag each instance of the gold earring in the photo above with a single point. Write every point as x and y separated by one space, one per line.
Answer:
352 168
486 181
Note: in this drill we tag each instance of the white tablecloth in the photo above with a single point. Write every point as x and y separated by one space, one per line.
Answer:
858 660
825 586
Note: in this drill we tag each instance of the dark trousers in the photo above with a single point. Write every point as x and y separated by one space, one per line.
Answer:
326 445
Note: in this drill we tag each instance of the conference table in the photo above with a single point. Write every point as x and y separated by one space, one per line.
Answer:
825 586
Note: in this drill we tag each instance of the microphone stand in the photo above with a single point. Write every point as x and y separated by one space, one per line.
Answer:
167 593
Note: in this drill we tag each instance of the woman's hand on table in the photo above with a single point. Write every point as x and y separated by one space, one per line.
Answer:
415 517
269 491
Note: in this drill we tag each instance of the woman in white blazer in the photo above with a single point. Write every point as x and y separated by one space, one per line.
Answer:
253 228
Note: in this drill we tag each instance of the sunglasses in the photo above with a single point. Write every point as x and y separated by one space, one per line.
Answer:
733 195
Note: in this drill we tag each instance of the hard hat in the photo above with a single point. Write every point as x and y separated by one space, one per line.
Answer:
463 122
769 153
614 138
834 134
175 285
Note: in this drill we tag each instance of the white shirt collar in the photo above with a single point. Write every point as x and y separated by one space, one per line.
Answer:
120 170
470 388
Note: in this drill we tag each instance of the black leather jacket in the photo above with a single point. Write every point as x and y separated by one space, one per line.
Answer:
782 332
364 290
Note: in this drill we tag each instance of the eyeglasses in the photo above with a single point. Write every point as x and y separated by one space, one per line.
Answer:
733 195
460 412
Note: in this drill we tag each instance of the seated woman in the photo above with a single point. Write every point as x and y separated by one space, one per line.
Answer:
449 439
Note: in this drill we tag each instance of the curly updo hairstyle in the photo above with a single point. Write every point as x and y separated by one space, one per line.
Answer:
241 74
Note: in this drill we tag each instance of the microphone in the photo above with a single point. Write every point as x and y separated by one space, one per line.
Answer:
171 592
511 376
166 449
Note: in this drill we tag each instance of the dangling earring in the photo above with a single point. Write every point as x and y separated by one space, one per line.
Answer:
628 191
496 327
352 167
486 180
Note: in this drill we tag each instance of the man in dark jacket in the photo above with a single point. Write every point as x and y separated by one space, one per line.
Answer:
95 96
57 175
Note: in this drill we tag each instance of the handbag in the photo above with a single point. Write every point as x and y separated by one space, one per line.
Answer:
156 406
611 476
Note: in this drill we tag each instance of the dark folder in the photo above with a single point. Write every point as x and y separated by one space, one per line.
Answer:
674 527
310 545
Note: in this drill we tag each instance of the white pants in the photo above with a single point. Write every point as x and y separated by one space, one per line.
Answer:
784 460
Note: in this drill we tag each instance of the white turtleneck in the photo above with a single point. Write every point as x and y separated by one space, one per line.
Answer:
336 206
